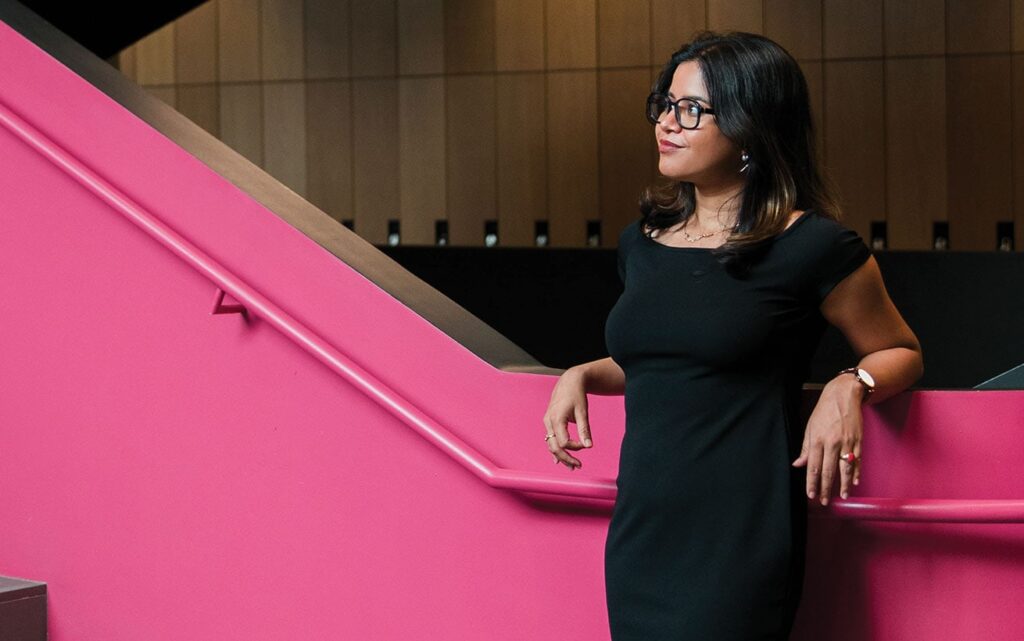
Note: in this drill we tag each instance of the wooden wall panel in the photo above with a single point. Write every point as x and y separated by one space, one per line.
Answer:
238 40
282 50
201 105
284 133
1018 148
168 94
813 73
420 36
624 33
571 34
915 27
375 156
1018 25
471 140
736 15
374 37
126 63
853 28
977 26
154 57
627 148
519 37
916 159
469 36
979 144
796 25
195 45
327 38
572 156
241 119
421 157
855 139
329 146
674 22
522 157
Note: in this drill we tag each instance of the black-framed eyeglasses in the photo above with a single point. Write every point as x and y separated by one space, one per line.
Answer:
687 110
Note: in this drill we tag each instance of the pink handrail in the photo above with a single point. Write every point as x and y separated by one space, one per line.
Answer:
401 408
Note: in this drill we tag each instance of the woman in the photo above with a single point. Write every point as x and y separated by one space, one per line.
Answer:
731 277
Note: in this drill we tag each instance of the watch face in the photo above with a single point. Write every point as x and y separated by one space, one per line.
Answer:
867 377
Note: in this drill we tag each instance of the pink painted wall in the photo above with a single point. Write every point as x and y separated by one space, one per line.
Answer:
175 474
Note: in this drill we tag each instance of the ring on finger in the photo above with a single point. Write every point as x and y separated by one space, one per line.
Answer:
850 457
548 436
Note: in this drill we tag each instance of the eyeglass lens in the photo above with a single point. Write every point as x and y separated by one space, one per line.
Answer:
687 112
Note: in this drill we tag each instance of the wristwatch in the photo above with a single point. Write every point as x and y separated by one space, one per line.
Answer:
863 378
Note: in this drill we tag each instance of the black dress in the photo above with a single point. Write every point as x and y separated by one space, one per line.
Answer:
707 536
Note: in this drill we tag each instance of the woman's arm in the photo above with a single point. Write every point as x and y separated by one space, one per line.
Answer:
887 348
569 405
602 377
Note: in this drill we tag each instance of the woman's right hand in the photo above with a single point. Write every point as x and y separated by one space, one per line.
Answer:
568 405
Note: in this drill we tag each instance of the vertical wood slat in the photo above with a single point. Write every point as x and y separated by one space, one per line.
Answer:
572 156
327 38
978 26
519 37
469 36
624 33
238 40
1017 10
980 172
1018 148
284 133
195 45
154 57
571 34
813 74
168 94
420 36
281 45
915 27
126 63
674 22
736 15
471 133
201 105
241 119
627 148
916 159
329 147
853 29
375 156
796 25
374 38
522 157
854 139
421 160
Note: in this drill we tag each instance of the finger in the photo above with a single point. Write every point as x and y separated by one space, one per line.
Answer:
557 445
856 465
829 465
583 426
802 459
845 473
814 455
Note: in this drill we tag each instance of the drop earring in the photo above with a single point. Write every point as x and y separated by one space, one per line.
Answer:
745 159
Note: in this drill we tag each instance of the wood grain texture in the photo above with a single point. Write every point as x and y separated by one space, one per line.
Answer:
796 25
814 75
855 148
241 119
1017 10
980 148
977 26
154 57
168 94
421 157
736 15
573 166
195 45
375 156
1018 149
674 22
519 37
915 27
853 29
916 158
624 33
469 36
284 133
627 148
522 157
282 49
238 40
420 36
471 140
374 38
327 38
571 34
329 147
201 105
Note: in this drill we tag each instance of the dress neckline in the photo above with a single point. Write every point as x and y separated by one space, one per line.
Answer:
785 231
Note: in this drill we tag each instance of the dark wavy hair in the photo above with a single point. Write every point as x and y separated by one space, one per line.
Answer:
761 104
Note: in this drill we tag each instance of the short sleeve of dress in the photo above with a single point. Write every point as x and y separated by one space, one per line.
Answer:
839 252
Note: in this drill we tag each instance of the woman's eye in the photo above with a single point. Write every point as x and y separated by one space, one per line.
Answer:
692 108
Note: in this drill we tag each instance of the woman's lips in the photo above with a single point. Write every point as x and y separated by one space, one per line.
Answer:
665 146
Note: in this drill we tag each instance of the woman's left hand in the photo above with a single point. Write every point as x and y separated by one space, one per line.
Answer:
835 427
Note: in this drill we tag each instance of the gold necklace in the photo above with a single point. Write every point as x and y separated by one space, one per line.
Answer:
694 239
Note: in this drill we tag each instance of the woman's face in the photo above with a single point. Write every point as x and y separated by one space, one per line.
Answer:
703 156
